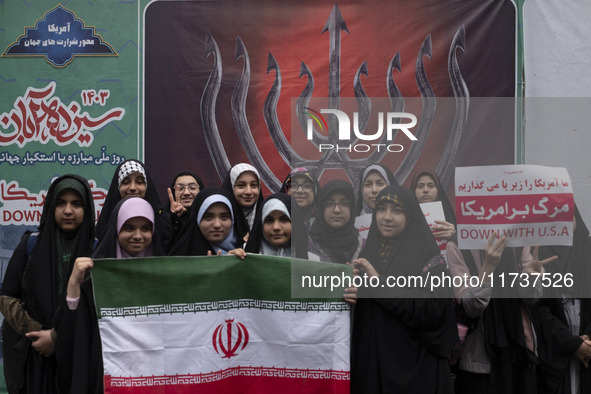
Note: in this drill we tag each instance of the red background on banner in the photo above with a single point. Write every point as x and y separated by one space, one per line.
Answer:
177 71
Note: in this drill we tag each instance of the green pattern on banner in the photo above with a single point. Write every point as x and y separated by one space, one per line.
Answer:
84 77
134 283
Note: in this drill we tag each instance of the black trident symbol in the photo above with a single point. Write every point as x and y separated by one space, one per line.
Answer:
335 25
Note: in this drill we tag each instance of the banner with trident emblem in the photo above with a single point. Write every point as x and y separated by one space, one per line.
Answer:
239 85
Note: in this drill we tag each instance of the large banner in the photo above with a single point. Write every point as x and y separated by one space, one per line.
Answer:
238 84
218 325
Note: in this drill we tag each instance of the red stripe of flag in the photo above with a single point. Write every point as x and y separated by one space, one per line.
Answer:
235 384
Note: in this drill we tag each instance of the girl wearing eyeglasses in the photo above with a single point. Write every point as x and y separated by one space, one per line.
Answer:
333 236
182 192
302 186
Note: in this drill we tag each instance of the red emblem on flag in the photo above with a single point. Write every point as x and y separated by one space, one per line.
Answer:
226 345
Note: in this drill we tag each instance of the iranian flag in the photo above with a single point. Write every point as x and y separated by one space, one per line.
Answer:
218 325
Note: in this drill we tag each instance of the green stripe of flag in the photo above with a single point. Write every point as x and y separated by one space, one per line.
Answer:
181 280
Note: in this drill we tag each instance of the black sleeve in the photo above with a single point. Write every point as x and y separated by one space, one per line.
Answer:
556 344
586 316
416 311
176 224
417 306
78 347
555 334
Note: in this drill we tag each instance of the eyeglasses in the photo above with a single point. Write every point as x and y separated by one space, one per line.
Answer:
342 204
306 186
193 187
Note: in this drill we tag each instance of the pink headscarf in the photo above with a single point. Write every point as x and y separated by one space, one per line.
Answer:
131 208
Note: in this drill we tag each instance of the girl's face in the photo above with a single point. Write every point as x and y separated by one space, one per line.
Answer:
135 235
390 219
301 189
185 190
372 186
69 211
134 185
277 228
426 190
246 189
216 223
337 209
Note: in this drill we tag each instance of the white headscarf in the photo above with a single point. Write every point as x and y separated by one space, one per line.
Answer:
380 170
227 243
235 172
274 204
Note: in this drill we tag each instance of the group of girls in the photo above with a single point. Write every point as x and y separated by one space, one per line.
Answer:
235 219
399 344
524 344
